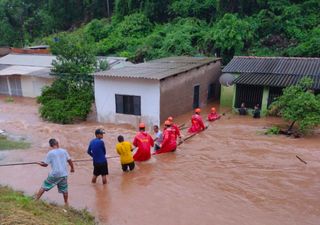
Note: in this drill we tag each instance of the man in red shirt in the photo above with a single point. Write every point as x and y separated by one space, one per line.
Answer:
197 124
175 128
144 142
169 143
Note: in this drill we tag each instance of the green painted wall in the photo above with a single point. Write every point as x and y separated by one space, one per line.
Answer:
264 103
226 96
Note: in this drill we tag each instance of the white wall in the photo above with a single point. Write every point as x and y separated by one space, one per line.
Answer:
107 87
31 86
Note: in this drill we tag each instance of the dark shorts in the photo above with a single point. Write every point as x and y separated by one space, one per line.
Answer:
100 169
126 166
61 182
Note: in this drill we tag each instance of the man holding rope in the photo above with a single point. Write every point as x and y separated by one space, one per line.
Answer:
57 158
97 151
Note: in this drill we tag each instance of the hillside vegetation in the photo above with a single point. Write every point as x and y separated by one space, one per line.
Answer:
147 29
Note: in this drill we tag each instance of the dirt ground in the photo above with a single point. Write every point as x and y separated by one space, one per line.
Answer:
230 174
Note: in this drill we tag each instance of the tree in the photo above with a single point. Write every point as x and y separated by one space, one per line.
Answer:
299 105
70 96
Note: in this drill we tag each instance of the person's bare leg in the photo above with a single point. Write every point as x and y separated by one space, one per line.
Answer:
104 179
65 198
94 179
40 193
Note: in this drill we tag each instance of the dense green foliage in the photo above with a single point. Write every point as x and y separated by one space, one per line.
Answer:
299 105
146 29
70 96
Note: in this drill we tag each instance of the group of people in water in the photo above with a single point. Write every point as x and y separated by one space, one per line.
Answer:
163 142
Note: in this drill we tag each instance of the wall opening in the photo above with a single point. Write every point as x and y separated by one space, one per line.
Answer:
128 104
196 96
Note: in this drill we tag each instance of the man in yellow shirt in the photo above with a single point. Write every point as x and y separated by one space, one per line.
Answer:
124 149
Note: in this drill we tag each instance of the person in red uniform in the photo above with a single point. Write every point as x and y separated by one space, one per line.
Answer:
197 124
175 128
144 142
213 115
169 143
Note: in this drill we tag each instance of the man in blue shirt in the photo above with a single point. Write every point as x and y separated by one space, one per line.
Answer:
97 151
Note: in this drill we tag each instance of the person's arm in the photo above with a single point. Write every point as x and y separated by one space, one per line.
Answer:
42 164
165 139
201 123
89 151
71 165
151 141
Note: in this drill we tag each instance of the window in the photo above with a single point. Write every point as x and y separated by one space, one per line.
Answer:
211 91
196 98
128 104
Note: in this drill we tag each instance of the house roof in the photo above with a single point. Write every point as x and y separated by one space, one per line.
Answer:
273 80
158 69
274 65
274 71
28 60
39 65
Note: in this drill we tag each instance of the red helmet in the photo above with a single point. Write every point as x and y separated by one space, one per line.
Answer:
213 109
170 118
141 125
197 110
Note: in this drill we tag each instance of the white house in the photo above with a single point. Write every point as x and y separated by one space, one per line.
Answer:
26 74
152 91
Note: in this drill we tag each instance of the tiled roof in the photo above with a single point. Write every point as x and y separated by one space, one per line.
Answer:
273 80
158 69
274 65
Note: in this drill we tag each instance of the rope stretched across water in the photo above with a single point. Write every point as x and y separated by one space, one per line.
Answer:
85 160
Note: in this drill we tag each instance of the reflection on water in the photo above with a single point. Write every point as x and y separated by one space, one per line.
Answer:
229 175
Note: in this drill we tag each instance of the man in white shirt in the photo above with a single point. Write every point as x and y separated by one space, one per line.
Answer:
58 159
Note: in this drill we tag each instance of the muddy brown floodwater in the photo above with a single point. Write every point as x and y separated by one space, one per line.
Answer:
230 174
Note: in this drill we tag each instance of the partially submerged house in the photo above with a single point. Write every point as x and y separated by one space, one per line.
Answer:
152 91
26 74
259 80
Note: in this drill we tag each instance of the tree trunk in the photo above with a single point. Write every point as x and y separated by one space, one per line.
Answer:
291 126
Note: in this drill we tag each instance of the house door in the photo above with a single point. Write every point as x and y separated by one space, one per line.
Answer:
15 85
4 85
196 98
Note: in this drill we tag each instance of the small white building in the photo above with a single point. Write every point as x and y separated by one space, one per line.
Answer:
152 91
26 74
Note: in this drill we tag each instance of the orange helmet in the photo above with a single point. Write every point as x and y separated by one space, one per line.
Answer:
197 110
213 109
170 118
167 123
141 125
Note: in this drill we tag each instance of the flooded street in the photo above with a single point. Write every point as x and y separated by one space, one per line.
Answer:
231 174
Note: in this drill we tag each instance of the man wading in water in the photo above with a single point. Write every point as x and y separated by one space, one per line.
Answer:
57 158
97 151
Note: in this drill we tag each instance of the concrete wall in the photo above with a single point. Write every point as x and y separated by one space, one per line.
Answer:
106 88
177 91
31 86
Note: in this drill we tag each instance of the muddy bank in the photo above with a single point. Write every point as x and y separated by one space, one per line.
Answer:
230 174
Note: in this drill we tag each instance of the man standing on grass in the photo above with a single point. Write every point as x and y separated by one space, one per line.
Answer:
57 158
97 151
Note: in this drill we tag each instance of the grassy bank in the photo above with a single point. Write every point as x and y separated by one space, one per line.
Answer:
15 208
6 144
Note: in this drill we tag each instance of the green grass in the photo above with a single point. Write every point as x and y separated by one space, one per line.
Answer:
17 208
6 144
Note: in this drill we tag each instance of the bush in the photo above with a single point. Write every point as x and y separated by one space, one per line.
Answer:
64 104
273 130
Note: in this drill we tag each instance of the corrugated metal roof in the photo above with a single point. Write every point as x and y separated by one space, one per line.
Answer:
273 80
158 69
274 65
28 60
